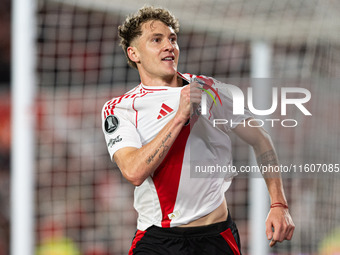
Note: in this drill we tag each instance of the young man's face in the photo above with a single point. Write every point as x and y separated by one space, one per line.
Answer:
157 51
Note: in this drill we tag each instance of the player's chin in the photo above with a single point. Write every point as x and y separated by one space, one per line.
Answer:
170 71
170 65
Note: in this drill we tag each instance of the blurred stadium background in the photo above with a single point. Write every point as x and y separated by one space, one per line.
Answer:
81 198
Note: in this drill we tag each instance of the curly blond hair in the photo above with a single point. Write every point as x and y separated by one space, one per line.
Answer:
132 26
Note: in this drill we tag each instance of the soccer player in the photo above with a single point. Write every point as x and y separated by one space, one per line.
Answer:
155 131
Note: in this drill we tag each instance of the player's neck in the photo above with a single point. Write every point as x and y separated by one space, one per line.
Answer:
173 81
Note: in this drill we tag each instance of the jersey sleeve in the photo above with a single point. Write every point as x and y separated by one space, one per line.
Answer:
119 130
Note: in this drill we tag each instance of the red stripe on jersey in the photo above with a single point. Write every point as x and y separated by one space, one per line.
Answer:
167 175
139 235
163 112
111 105
133 107
167 108
229 238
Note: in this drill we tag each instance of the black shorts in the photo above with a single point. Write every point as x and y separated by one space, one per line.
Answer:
215 239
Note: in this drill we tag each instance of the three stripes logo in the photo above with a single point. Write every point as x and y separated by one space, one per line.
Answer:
165 110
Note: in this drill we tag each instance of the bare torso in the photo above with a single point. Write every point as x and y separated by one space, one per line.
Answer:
218 215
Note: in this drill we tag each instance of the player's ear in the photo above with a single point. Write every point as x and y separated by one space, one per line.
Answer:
133 54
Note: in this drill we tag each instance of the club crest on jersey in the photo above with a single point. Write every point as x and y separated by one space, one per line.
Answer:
111 124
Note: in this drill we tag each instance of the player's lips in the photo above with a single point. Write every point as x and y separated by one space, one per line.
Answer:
168 58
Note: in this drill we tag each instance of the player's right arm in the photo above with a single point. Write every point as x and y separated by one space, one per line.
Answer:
137 164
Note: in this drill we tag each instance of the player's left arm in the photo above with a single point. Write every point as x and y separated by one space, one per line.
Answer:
278 217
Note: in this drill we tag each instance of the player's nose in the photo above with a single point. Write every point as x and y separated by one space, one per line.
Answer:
168 46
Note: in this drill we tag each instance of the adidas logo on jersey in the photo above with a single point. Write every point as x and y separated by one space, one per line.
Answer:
165 110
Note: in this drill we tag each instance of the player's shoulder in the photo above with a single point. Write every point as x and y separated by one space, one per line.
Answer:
123 99
120 103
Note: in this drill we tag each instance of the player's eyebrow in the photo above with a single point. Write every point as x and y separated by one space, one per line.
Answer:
157 34
160 34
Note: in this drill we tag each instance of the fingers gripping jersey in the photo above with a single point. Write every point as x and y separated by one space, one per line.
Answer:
171 197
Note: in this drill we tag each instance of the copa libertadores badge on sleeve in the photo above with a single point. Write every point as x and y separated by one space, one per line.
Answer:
111 124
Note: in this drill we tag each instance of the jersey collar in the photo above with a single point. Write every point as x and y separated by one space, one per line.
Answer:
162 88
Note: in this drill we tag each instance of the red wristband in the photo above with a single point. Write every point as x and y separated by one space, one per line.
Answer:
279 205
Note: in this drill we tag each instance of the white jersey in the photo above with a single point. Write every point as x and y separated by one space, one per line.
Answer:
172 196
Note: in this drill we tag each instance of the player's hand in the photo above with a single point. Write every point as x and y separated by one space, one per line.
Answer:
279 225
189 100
